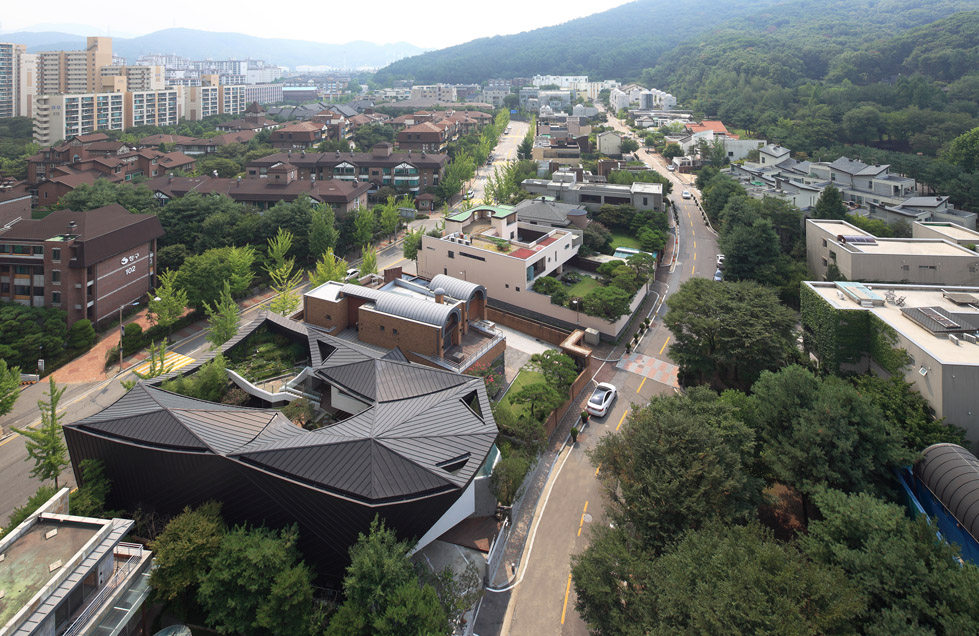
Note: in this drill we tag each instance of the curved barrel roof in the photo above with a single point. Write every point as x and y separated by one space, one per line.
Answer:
456 287
951 473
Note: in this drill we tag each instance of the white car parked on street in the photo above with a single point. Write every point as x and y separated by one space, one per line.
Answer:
601 399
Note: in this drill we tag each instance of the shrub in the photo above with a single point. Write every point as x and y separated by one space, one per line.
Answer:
132 338
207 383
547 285
507 477
560 297
81 336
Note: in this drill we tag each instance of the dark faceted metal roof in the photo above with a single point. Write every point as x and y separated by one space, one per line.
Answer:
418 437
951 473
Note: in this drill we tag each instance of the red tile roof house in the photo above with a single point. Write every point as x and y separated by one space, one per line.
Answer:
299 135
282 184
715 125
72 151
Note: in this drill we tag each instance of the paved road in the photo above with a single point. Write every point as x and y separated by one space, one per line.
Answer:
84 399
506 150
544 600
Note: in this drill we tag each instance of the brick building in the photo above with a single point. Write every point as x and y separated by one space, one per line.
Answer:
302 135
405 171
87 263
439 322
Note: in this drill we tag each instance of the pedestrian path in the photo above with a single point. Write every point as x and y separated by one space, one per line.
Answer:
650 367
172 361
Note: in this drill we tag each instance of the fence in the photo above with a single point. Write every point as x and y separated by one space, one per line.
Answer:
133 552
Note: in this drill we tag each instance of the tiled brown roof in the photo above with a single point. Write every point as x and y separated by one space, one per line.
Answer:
102 232
310 160
156 140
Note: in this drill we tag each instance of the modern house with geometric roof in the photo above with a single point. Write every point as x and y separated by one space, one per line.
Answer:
404 442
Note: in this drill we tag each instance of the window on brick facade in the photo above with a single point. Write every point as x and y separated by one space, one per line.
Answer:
56 276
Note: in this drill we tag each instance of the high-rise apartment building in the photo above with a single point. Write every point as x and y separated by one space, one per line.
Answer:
58 117
74 71
138 78
201 101
18 74
153 108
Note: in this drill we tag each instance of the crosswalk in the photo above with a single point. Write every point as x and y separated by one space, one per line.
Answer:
650 367
173 360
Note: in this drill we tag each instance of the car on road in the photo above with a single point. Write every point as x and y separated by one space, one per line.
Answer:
352 273
469 194
718 276
601 399
720 261
671 167
686 194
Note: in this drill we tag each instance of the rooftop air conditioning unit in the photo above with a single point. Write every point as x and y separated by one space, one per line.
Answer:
953 339
971 337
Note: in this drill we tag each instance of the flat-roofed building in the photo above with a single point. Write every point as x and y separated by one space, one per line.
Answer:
18 80
935 325
947 231
63 574
859 255
74 71
58 117
565 187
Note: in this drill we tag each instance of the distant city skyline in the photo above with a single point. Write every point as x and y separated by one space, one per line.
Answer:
428 23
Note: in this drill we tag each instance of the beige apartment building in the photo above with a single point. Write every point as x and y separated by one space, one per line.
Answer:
935 325
212 98
137 78
74 71
58 117
153 108
18 78
947 231
859 255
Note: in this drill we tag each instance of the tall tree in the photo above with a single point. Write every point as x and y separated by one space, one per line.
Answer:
282 271
223 317
167 302
45 445
382 594
752 252
368 260
726 334
365 224
9 386
256 582
329 267
203 276
411 244
182 552
679 463
829 205
823 432
322 231
908 577
558 369
390 218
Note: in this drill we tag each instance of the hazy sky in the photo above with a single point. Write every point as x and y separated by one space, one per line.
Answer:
425 23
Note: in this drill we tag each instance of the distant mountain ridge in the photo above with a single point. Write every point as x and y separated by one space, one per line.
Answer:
621 42
197 44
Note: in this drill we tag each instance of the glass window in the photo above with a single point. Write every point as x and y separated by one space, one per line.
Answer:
56 276
56 298
56 254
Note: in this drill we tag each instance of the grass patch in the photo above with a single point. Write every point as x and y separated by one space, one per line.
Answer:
582 287
624 240
524 378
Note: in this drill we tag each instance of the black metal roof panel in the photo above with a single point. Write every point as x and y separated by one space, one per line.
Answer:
951 473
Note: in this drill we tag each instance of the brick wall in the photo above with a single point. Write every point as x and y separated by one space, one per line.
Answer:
529 327
390 331
326 314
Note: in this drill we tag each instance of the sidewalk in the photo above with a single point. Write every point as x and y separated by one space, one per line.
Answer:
91 367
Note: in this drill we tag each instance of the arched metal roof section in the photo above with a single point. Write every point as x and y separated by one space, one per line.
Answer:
431 313
951 473
456 287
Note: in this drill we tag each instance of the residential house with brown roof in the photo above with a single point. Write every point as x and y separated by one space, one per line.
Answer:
253 122
298 135
428 136
87 263
405 171
282 184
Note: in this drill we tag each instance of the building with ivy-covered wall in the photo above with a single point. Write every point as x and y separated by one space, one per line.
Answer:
928 334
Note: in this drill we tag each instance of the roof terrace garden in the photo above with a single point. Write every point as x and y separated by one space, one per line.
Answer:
264 355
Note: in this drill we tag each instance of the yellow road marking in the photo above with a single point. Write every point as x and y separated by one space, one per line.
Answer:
640 384
621 420
567 591
695 244
598 468
397 261
695 256
582 522
693 269
663 348
172 359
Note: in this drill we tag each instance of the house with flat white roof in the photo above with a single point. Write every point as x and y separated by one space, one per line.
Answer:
948 231
936 326
861 256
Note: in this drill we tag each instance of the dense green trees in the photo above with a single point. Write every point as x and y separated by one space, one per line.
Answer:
382 592
137 199
29 333
204 276
9 387
45 445
726 334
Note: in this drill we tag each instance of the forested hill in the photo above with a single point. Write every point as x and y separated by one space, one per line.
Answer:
621 42
616 43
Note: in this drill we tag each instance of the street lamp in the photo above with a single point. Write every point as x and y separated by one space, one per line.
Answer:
121 307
